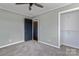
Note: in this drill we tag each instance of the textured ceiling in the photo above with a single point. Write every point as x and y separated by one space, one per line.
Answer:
23 9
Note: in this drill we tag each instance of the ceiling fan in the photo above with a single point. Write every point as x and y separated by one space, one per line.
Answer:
31 4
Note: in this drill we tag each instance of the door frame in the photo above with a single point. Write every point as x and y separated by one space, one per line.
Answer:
59 18
33 28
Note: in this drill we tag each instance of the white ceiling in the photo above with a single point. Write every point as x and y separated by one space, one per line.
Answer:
23 9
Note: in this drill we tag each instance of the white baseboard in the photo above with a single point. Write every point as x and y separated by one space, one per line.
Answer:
49 44
11 44
70 45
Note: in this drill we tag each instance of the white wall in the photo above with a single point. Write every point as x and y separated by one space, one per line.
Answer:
70 28
47 31
48 25
11 28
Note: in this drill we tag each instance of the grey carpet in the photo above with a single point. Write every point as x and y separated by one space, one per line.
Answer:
32 48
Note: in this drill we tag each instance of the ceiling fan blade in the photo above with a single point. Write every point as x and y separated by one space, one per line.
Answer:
38 5
20 3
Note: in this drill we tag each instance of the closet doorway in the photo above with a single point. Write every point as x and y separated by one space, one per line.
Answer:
35 30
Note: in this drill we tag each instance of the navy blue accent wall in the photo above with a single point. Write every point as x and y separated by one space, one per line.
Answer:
28 29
